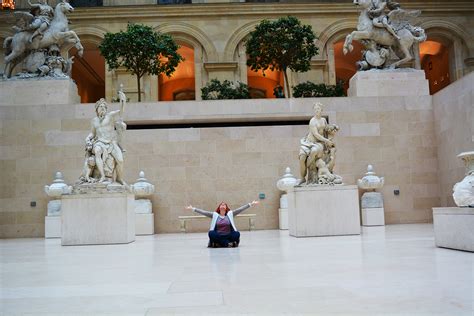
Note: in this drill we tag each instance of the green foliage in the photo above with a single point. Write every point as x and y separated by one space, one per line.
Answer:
141 51
280 45
215 90
309 89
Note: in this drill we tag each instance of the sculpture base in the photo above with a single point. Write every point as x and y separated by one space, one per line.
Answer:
52 227
395 82
144 224
38 91
97 219
283 218
323 211
454 227
373 217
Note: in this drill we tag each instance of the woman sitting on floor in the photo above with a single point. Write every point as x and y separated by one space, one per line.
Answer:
223 231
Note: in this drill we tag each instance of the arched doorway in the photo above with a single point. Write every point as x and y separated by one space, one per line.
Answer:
345 65
434 57
262 85
181 84
89 73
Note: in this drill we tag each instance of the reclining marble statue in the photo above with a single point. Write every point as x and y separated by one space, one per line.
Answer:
40 35
385 27
103 150
318 152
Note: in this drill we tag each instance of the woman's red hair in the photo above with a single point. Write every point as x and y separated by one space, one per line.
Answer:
227 209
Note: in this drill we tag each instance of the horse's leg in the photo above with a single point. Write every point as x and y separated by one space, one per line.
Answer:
72 37
406 56
356 35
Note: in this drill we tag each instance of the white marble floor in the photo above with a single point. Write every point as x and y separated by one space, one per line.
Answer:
387 270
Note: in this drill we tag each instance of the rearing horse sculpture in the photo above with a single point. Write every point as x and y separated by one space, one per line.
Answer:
366 30
58 33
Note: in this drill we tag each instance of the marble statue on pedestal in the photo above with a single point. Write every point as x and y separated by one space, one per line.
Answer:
318 152
464 191
103 163
385 27
41 37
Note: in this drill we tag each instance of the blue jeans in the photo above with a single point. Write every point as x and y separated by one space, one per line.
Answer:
224 240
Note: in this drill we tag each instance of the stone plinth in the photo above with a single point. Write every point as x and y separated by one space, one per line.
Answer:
38 92
373 216
283 218
372 209
93 219
52 227
323 211
396 82
454 227
144 224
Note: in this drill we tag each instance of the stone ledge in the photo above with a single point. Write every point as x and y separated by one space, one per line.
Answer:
454 228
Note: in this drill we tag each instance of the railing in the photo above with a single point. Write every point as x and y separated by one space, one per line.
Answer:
86 3
174 1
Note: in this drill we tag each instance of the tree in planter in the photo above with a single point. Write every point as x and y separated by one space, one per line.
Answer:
141 51
216 90
309 89
281 45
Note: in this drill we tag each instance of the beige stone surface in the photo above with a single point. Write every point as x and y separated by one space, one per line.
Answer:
97 219
204 166
454 227
323 211
397 82
33 92
454 130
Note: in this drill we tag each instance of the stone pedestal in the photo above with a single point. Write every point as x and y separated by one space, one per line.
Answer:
323 211
454 227
38 92
396 82
144 224
94 219
283 212
373 216
372 209
52 227
283 218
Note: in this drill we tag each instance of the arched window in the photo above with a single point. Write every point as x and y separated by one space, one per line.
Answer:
89 73
346 64
181 84
262 85
434 57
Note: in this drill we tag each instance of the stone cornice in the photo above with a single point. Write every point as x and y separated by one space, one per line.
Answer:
220 66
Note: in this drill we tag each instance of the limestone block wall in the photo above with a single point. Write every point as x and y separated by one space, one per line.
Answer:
454 125
203 166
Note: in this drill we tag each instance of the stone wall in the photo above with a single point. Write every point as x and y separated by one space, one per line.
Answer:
454 125
203 166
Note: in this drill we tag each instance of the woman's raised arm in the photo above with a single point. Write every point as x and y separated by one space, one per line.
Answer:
197 210
244 207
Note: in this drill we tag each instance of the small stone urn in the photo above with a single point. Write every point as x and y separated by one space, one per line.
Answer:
55 190
371 201
464 191
284 184
142 189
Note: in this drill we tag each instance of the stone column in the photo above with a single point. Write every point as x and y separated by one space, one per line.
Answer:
198 71
242 60
331 65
